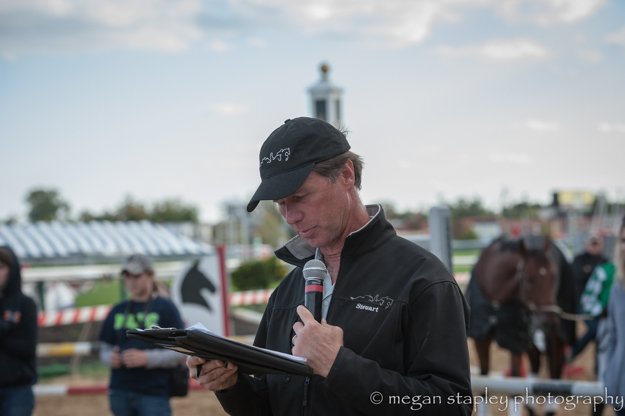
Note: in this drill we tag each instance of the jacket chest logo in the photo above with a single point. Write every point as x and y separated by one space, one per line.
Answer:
12 316
372 303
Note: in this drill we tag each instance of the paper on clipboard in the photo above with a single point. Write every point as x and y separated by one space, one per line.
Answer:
199 327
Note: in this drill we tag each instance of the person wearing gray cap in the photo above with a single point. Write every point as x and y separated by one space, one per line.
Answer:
393 318
140 373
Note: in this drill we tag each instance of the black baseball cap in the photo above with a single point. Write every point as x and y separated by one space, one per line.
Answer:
289 154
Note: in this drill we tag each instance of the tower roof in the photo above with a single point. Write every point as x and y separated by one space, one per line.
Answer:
324 85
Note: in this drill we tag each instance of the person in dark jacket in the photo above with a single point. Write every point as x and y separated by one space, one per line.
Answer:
140 372
393 335
583 266
584 263
18 340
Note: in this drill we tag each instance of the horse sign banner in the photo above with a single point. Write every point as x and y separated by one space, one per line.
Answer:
199 291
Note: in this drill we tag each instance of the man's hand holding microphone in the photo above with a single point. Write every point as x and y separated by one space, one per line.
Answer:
314 339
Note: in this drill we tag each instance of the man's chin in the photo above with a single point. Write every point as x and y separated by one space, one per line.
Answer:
313 242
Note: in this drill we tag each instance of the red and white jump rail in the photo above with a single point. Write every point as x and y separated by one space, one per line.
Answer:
462 277
73 316
99 313
250 297
67 390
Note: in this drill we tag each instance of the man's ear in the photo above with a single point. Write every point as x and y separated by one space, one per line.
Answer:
348 177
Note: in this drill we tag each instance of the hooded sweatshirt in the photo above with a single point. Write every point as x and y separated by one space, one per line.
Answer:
18 332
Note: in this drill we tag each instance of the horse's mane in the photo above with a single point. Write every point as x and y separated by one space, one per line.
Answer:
512 245
507 245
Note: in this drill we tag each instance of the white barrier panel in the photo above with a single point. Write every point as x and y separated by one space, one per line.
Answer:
66 349
521 386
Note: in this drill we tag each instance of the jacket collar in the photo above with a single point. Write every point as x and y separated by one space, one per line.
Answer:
297 251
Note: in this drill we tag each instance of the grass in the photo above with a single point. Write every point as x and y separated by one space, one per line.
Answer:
461 269
104 292
91 370
474 252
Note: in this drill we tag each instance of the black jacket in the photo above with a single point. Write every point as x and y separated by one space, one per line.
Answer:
404 321
18 333
583 265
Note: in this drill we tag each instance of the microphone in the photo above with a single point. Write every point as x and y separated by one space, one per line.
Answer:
314 273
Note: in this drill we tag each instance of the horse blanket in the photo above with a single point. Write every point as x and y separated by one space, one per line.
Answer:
508 323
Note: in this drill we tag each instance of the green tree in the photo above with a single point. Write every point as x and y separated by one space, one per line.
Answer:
167 210
468 208
11 219
273 229
258 274
174 210
464 208
522 210
132 210
46 205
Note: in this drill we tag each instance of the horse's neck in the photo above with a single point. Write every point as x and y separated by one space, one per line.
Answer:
498 277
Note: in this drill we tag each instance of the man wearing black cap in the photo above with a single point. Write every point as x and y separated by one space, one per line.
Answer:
393 337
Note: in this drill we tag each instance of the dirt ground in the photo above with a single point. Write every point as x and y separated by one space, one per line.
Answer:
203 403
195 404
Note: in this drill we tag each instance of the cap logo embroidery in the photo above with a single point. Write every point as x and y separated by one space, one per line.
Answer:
282 152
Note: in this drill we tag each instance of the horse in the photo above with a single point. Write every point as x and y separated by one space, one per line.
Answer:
510 285
554 342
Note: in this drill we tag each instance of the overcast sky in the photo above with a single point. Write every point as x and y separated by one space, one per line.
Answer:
444 98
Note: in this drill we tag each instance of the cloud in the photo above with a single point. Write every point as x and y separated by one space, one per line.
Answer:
550 12
590 56
500 50
257 42
611 127
75 26
228 109
569 11
218 46
404 164
514 158
28 26
617 37
542 126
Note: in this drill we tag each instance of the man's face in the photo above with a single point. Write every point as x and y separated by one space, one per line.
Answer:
4 274
594 246
318 211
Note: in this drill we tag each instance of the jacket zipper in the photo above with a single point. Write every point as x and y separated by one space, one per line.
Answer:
306 383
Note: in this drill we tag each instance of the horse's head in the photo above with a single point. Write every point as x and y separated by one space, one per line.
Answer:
537 276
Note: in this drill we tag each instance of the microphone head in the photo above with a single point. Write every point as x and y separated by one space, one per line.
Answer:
315 270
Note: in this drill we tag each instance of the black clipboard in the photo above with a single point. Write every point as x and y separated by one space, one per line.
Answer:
250 360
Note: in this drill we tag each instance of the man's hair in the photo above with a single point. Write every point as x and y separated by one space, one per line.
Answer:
331 168
5 256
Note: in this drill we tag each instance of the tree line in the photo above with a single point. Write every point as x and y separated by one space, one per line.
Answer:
47 204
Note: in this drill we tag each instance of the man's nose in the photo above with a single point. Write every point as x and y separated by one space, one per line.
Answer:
291 214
